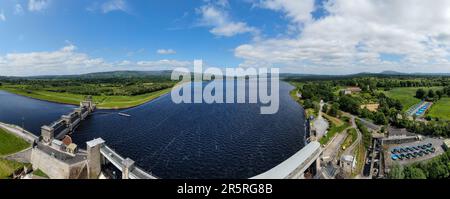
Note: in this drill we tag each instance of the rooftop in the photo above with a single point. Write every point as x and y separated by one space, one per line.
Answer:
95 142
399 132
447 142
348 158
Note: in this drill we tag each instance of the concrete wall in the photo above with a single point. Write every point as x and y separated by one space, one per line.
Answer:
399 140
94 161
55 168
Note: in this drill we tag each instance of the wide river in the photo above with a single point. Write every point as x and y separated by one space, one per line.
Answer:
181 140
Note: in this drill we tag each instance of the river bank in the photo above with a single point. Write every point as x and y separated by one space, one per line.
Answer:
103 102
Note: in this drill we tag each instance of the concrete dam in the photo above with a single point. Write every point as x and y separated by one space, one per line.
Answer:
55 154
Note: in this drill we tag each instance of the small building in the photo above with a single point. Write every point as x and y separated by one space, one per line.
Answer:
67 140
399 136
351 90
348 163
72 148
57 144
447 144
397 132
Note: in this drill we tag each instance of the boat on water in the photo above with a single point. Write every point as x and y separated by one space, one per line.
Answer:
124 114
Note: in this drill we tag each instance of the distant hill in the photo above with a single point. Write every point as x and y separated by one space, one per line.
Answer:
127 74
165 74
390 72
104 75
384 74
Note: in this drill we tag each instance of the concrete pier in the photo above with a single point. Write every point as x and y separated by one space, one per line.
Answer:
94 157
67 123
127 166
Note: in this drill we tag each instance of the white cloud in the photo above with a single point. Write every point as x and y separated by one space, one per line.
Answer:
18 9
166 51
109 6
38 5
298 11
68 61
221 23
223 3
114 5
356 34
2 16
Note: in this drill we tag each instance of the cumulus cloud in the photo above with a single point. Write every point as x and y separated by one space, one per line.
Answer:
221 23
18 9
357 35
38 5
298 11
2 16
114 5
166 51
109 6
68 61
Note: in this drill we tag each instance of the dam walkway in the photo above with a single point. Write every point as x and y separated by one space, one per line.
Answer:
125 165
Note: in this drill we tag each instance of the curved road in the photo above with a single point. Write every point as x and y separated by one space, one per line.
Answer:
350 149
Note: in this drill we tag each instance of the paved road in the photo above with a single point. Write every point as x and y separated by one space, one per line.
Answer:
320 124
18 131
331 150
351 149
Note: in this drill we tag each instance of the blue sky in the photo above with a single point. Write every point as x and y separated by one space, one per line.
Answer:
311 36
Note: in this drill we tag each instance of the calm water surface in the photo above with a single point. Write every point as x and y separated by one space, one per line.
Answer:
182 140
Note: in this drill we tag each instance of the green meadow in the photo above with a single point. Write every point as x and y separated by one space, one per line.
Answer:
407 95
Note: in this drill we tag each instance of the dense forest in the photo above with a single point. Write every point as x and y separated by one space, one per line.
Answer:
112 86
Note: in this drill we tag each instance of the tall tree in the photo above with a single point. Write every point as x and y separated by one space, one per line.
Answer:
420 93
396 172
430 93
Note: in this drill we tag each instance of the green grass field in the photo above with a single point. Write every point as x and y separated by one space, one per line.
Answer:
441 109
10 143
40 173
103 102
360 154
406 95
352 136
336 126
333 120
8 167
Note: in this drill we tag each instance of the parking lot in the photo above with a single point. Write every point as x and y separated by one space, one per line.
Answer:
408 153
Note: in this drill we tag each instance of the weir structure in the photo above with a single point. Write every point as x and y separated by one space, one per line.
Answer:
56 155
67 123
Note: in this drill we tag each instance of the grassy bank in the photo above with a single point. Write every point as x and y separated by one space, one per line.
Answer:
406 95
336 126
10 143
40 173
102 101
8 167
441 109
360 159
350 139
